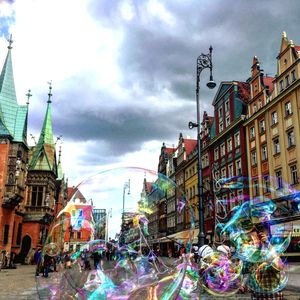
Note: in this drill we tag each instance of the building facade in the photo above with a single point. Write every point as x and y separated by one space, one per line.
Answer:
228 148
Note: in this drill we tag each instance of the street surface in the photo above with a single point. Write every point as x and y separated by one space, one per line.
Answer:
20 284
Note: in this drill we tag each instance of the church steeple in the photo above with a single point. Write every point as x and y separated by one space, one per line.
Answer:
60 174
12 116
44 157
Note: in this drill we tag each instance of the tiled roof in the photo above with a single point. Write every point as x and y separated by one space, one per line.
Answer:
268 81
14 116
189 145
44 154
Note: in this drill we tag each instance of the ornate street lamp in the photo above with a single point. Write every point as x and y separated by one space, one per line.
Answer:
203 61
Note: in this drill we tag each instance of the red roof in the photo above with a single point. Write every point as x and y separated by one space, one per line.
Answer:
189 145
268 81
297 48
170 150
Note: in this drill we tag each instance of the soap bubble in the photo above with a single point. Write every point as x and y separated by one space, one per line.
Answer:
104 243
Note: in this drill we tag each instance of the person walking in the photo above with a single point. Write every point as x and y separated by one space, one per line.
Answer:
37 258
46 265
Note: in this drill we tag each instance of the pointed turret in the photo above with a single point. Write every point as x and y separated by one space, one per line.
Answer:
12 116
43 156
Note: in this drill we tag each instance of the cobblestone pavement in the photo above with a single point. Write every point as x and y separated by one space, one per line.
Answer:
20 284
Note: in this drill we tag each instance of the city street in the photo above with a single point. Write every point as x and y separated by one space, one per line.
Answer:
20 284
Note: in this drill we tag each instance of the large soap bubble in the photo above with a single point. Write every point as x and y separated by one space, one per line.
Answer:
104 242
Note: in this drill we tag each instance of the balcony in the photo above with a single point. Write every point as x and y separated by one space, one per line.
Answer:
11 200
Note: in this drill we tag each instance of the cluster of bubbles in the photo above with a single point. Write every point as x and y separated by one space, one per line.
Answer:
115 257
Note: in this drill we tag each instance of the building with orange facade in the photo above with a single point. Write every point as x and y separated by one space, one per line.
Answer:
33 188
13 161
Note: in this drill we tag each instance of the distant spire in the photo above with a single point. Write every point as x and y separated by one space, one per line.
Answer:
10 41
50 89
28 96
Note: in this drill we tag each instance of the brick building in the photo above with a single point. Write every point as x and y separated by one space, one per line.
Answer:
13 160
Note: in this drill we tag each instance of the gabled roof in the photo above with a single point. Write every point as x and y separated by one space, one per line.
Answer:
224 86
43 157
268 82
189 145
12 115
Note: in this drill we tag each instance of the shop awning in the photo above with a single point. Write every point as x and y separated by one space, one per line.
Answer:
185 235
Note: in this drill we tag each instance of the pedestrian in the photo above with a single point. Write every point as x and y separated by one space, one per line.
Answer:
46 264
37 258
265 276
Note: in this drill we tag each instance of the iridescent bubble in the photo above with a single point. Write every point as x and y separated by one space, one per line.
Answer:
114 254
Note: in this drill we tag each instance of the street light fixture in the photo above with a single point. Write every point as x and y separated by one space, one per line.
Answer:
204 61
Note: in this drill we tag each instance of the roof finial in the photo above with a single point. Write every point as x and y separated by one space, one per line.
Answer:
10 41
59 154
28 96
50 89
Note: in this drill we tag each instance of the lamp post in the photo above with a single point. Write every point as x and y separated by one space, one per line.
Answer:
203 61
125 187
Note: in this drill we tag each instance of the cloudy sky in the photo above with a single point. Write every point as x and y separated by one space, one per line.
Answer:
123 72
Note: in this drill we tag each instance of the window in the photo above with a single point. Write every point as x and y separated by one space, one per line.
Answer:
255 185
253 158
238 167
262 127
37 196
287 80
254 108
229 145
281 85
274 117
276 146
237 139
278 179
230 170
223 173
252 132
294 175
220 113
5 235
288 108
293 75
216 154
79 235
227 106
11 178
259 103
227 121
267 184
264 153
222 149
221 127
291 138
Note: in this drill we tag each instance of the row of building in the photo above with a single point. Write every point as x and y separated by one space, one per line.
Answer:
250 142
